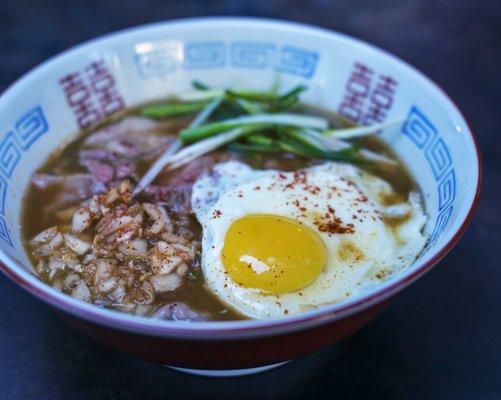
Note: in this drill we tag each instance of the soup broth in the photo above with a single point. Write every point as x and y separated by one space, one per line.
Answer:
48 204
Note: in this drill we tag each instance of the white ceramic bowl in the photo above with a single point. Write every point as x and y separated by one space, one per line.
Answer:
50 104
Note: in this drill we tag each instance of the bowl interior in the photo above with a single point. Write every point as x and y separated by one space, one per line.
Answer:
50 105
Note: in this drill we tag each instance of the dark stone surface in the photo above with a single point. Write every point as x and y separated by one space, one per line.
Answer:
440 340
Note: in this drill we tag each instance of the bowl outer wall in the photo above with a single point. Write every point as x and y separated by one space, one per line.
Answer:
228 354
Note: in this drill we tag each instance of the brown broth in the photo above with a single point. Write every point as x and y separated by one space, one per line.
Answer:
193 292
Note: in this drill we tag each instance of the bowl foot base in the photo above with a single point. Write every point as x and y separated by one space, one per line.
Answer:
227 373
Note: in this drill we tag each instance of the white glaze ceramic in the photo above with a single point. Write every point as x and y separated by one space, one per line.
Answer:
49 105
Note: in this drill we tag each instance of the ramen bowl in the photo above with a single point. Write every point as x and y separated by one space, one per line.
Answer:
48 106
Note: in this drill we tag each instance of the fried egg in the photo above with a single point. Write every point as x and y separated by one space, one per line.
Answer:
278 243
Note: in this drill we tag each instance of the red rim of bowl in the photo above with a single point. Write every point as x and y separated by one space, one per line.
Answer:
136 324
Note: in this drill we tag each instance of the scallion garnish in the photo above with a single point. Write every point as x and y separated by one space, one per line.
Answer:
256 122
191 135
172 109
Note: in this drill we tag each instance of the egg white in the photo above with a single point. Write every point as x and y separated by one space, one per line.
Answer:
233 190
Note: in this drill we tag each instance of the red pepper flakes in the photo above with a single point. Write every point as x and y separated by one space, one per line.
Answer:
332 224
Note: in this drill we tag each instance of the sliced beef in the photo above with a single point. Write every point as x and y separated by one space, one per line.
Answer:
66 190
176 196
177 312
105 166
124 169
96 154
119 129
101 171
174 187
131 137
190 172
113 152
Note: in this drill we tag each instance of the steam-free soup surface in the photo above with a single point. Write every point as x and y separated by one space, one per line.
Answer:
122 149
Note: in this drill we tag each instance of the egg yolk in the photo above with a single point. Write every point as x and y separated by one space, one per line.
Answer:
272 253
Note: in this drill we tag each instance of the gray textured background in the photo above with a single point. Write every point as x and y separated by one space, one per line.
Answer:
440 340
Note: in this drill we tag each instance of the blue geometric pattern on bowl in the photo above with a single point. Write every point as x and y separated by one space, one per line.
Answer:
26 131
439 158
30 127
4 232
423 133
3 193
160 59
157 61
203 55
10 154
419 128
441 223
296 61
446 190
252 55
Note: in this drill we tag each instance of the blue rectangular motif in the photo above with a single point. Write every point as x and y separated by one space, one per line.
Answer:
252 54
201 55
3 193
157 61
446 190
4 232
30 127
419 128
439 158
10 154
441 223
296 61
